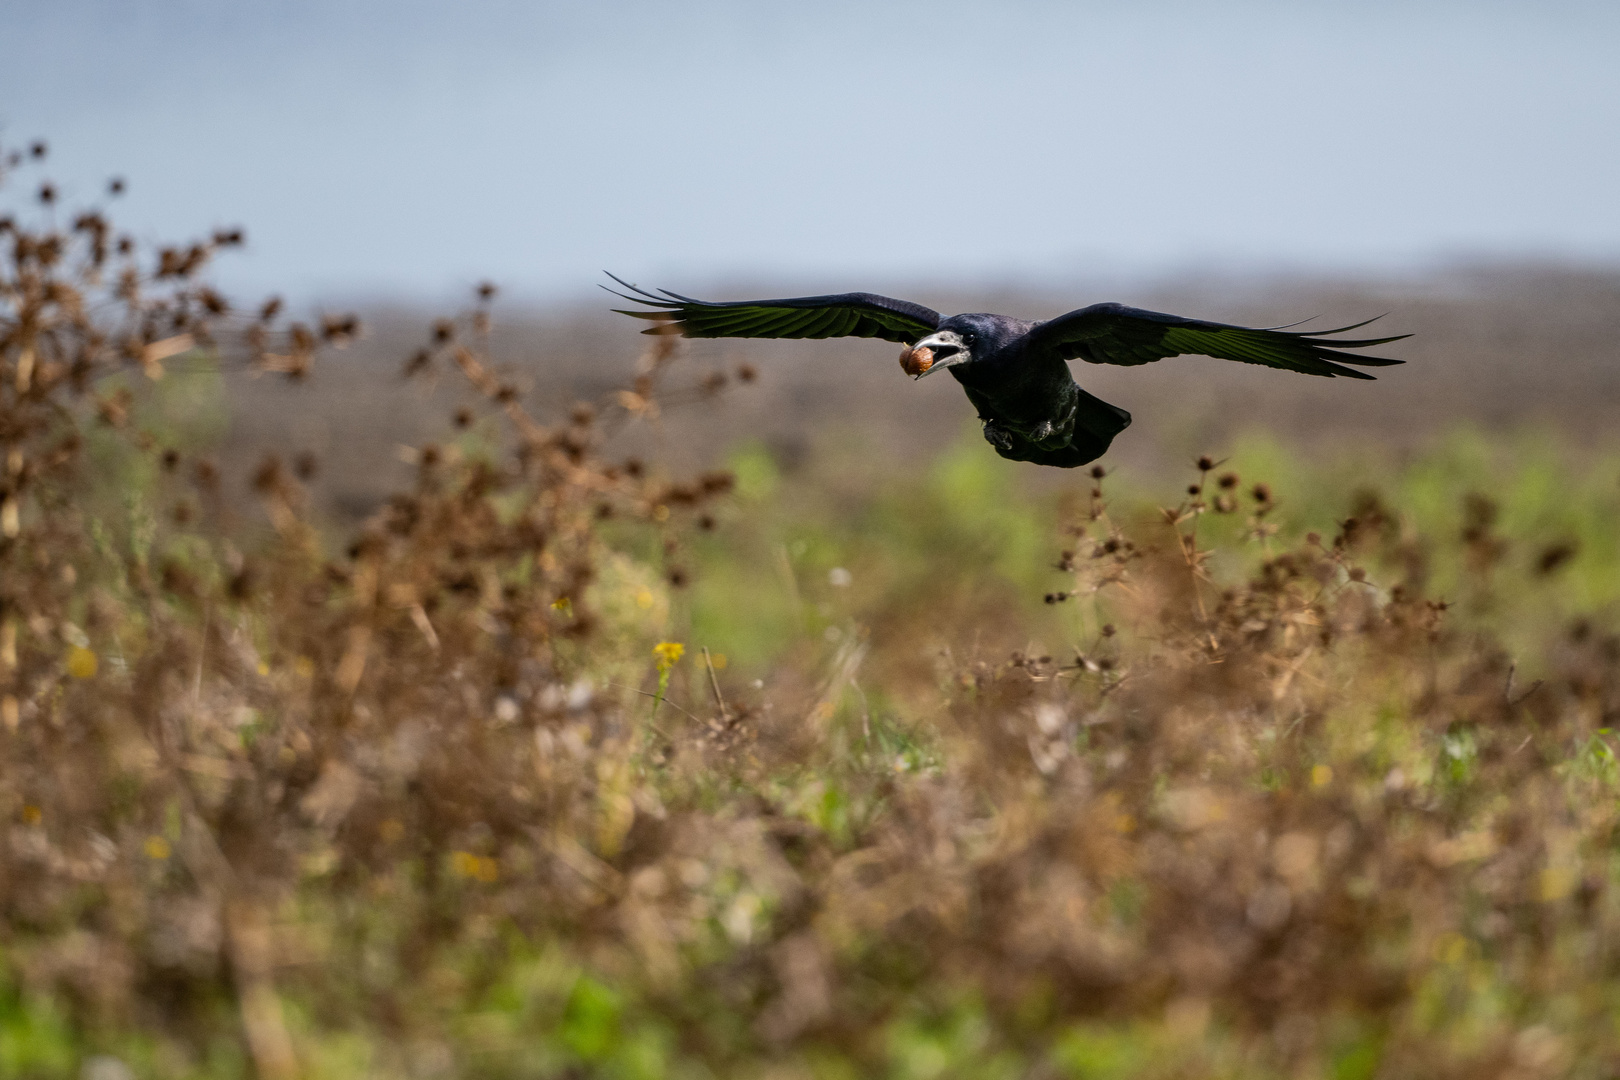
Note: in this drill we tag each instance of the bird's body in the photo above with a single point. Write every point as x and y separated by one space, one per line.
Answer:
1032 408
1015 372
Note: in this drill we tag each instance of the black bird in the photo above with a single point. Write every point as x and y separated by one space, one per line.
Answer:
1016 373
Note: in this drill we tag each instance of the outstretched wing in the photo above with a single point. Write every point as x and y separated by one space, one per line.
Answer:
843 315
1116 334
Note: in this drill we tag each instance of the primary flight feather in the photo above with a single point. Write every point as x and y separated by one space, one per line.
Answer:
1015 372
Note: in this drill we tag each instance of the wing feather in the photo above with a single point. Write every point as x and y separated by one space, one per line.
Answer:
1116 334
839 315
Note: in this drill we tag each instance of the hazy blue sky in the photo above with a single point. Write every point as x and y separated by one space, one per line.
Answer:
408 145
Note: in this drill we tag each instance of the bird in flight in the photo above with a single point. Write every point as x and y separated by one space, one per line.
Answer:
1016 373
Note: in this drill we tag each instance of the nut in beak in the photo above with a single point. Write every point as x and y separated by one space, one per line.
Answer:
916 361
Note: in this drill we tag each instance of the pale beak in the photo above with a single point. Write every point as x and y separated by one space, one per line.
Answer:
932 353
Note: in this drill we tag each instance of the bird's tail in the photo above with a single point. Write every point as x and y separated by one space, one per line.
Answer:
1096 418
1095 424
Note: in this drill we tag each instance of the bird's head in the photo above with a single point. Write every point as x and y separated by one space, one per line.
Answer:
960 339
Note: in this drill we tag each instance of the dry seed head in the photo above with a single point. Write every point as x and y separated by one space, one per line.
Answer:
1554 557
339 328
717 482
267 477
242 584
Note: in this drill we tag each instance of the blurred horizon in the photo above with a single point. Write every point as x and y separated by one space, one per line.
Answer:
405 151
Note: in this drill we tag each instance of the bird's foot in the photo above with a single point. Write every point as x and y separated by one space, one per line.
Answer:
1044 433
998 438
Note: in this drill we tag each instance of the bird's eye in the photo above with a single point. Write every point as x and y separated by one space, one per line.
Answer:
969 338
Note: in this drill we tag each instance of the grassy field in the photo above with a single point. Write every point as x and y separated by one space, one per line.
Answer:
564 756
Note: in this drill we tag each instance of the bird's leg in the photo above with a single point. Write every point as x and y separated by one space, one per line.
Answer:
1057 430
997 437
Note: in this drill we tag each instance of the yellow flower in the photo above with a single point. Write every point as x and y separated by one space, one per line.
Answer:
157 848
476 867
1557 882
81 663
668 652
563 605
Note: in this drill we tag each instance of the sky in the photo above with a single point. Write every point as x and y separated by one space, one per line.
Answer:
414 147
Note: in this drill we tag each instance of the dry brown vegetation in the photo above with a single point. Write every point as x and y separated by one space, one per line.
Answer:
438 794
